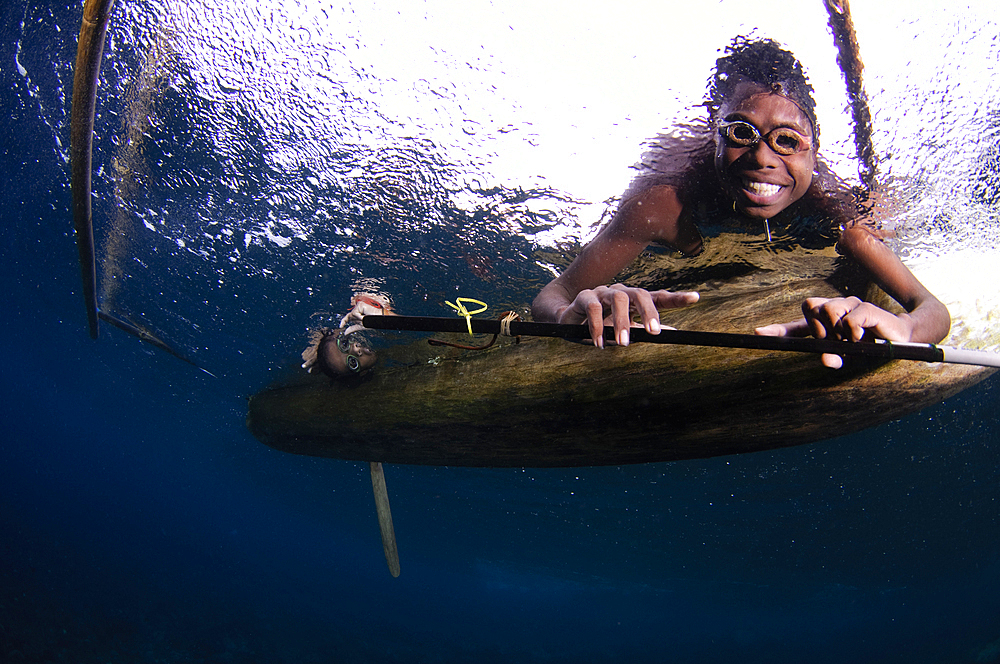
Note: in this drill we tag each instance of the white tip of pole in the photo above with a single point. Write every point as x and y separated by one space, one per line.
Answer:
981 358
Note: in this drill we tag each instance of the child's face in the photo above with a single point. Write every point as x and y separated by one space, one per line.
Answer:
349 357
762 181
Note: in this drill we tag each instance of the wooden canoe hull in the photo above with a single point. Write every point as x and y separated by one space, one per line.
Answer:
550 403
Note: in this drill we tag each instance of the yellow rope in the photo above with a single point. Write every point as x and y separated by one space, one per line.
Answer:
459 308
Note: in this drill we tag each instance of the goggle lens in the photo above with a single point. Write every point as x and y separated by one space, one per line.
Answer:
344 346
782 140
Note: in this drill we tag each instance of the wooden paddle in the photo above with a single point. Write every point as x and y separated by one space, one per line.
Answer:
93 29
384 518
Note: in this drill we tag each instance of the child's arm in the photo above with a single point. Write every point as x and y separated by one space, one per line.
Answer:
926 319
579 295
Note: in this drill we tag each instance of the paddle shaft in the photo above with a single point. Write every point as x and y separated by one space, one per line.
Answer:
879 350
93 29
849 59
384 518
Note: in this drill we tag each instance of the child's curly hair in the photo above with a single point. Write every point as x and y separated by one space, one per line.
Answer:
766 63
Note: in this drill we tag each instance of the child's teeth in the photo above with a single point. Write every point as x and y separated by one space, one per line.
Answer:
763 188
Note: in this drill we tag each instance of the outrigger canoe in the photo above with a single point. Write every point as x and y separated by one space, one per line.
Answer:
547 402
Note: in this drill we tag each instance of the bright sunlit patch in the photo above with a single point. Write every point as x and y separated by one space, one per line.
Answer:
965 281
560 94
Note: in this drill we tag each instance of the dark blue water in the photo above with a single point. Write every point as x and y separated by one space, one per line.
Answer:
140 522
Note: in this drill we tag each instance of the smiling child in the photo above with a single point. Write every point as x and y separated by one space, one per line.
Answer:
755 164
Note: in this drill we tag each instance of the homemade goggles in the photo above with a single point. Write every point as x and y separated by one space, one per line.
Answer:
782 140
344 346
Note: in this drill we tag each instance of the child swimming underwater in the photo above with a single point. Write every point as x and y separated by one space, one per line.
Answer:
342 352
754 163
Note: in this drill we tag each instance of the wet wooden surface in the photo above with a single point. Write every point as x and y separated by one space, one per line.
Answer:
548 402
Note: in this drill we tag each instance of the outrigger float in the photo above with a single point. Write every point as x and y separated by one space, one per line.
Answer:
543 402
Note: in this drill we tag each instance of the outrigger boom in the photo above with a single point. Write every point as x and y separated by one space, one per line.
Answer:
877 349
